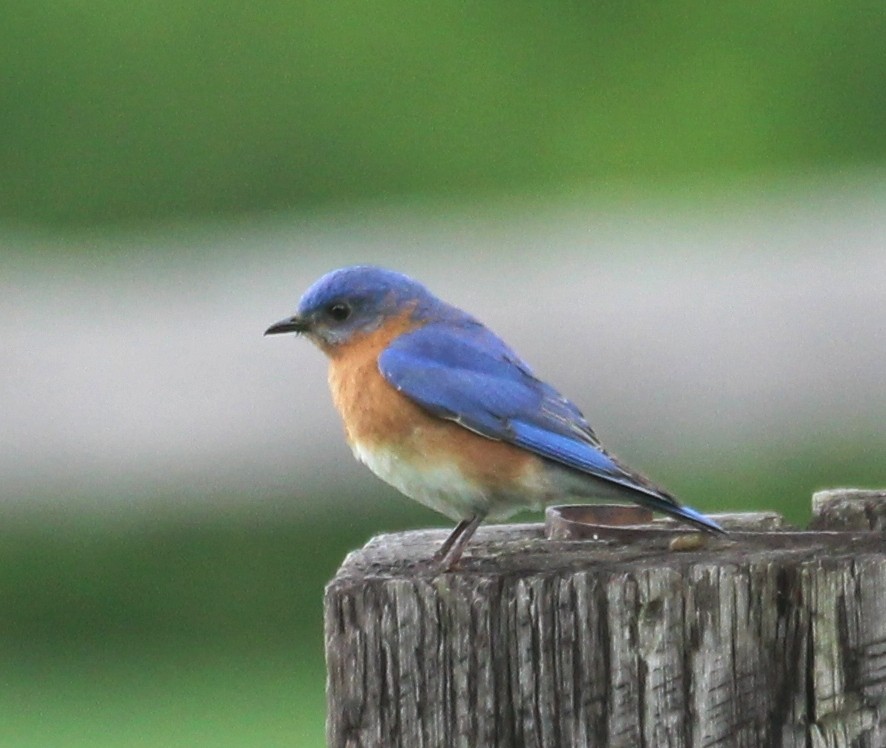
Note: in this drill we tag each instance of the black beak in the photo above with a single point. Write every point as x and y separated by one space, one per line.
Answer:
292 324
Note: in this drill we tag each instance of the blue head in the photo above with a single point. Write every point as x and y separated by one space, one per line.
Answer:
353 301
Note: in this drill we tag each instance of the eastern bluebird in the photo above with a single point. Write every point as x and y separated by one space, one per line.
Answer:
442 409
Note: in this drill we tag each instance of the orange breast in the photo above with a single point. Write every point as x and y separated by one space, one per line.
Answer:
375 414
370 408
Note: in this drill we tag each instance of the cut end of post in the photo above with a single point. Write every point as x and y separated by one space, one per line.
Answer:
849 510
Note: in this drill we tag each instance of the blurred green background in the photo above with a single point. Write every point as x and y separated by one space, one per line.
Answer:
117 112
166 143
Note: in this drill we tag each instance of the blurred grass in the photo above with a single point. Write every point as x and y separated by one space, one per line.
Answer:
115 113
162 696
131 632
208 631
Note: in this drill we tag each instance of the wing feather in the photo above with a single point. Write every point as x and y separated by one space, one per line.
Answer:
472 378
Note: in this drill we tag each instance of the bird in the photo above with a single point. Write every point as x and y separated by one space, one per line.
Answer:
442 409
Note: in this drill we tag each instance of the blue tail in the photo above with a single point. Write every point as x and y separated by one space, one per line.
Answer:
678 511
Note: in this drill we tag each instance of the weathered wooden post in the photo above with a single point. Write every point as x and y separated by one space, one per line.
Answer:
641 638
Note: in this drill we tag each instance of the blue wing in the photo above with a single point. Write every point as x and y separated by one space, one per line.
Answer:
467 374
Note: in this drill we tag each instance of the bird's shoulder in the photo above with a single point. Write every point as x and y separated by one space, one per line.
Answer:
460 342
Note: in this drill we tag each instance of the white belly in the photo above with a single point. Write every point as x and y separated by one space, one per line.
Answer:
441 487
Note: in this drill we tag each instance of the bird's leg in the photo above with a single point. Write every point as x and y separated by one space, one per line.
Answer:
450 552
452 537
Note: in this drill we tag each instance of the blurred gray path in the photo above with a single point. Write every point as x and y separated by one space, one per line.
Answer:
144 372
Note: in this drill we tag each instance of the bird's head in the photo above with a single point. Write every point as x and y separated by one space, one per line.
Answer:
353 301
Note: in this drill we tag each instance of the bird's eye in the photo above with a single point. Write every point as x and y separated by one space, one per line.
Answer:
339 311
